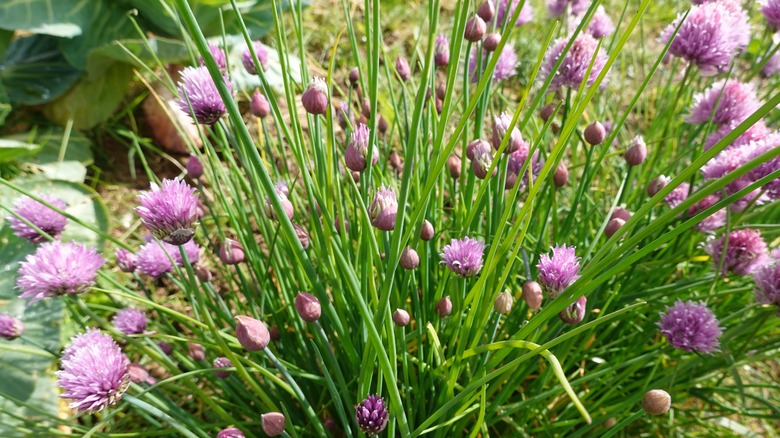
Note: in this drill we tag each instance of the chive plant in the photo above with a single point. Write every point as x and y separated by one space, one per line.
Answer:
416 240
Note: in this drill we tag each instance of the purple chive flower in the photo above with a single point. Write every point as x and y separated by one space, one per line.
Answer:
734 157
758 131
262 55
711 223
678 195
357 149
222 362
772 67
771 11
130 321
768 143
441 55
463 257
170 212
767 279
575 65
48 220
558 272
125 260
230 432
10 327
197 89
58 268
726 102
94 372
601 24
526 14
372 414
744 252
712 34
558 7
515 164
156 259
505 66
383 209
219 57
690 326
501 125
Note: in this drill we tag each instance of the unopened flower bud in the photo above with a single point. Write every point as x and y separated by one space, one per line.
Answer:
441 91
383 209
354 76
259 106
251 333
315 98
620 213
637 153
574 313
308 307
401 317
613 225
441 51
491 42
125 260
402 68
222 362
482 160
503 303
595 133
547 111
274 333
657 184
532 295
395 162
382 125
656 402
194 167
303 236
203 273
10 327
426 232
139 374
444 307
230 432
453 165
231 252
165 348
197 352
475 29
273 423
409 259
561 175
486 10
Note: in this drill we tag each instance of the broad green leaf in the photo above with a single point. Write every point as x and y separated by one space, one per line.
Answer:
135 52
153 16
35 72
62 18
107 21
11 149
78 148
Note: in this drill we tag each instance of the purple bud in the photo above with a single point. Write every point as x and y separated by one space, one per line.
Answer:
491 42
620 213
274 333
197 352
308 306
357 150
259 106
426 232
139 374
444 307
441 91
382 125
231 252
547 111
251 333
230 432
532 294
574 313
475 29
10 327
194 167
409 259
165 348
482 160
561 175
303 236
249 62
656 402
395 162
613 225
595 133
441 51
501 125
503 303
372 415
273 423
315 98
655 186
222 362
289 210
453 165
486 10
637 152
383 209
402 68
401 317
354 76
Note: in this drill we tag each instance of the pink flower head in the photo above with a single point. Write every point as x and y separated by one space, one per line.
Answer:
262 55
678 195
372 415
771 11
157 258
601 24
383 209
526 14
758 148
711 223
197 89
58 268
48 220
441 55
744 252
515 164
558 272
575 7
767 279
130 321
712 34
170 212
463 257
94 372
725 102
219 57
690 326
575 64
771 67
505 66
755 132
